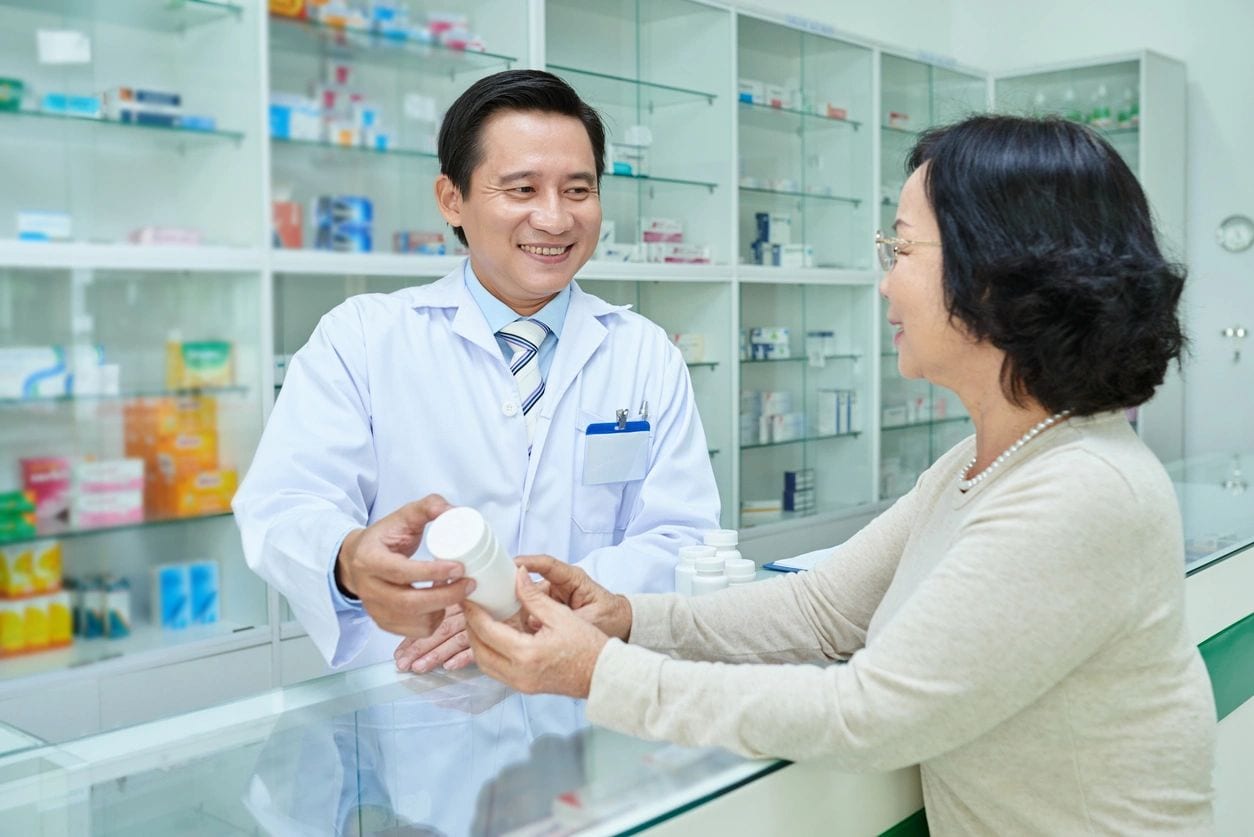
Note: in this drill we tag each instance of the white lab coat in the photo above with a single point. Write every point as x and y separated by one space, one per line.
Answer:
402 395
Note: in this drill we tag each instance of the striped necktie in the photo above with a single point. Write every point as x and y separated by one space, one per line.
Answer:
526 336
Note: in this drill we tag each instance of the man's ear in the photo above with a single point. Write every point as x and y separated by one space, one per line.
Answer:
449 199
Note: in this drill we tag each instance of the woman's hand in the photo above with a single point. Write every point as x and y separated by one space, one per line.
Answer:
588 600
557 659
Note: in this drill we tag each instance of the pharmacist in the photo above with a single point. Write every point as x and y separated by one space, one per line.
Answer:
568 422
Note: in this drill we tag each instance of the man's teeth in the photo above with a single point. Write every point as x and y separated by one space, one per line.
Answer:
544 251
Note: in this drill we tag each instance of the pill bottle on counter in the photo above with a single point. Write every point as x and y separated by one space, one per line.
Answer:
710 576
462 535
687 566
740 570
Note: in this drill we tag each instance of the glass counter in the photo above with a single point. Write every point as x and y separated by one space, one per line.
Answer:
1216 504
369 751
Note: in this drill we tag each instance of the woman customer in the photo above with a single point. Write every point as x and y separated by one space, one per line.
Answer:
1015 623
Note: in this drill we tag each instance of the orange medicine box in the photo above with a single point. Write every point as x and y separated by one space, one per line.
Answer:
146 419
186 454
208 492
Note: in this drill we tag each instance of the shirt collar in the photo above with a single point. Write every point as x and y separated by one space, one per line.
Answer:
499 315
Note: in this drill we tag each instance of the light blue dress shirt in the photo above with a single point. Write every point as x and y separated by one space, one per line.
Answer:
498 315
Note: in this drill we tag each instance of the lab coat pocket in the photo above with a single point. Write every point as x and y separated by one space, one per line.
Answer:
597 501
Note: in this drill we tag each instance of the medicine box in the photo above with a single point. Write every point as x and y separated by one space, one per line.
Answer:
198 363
47 478
799 480
774 227
691 346
107 475
172 595
204 591
33 372
40 225
11 90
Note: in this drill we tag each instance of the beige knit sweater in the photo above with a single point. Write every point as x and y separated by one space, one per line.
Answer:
1023 642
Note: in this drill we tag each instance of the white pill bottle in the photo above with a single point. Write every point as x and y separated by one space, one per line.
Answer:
462 535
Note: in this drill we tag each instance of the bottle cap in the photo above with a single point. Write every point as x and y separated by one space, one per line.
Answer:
689 554
460 534
710 564
729 554
722 537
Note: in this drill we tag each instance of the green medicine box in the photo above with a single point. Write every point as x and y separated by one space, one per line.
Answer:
11 93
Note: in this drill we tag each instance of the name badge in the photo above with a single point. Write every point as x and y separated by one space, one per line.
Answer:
614 454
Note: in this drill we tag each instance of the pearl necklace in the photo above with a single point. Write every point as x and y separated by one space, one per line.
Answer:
965 484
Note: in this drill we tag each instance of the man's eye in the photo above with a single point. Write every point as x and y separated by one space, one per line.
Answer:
524 190
581 191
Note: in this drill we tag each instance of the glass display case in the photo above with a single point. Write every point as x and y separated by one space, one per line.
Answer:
805 148
368 752
355 105
105 160
1137 102
657 71
1217 504
918 421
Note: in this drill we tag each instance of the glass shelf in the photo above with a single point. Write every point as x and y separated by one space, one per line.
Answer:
144 637
713 451
887 201
809 195
933 423
709 364
54 126
318 145
121 396
168 16
669 181
852 435
367 47
901 132
1119 132
63 531
603 88
797 358
765 116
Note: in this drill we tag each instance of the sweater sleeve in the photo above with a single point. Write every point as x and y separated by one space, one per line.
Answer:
1036 581
802 617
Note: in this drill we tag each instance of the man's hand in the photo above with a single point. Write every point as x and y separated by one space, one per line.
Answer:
374 565
588 600
558 658
449 644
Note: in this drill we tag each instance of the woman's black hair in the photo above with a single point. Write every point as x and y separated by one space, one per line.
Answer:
460 144
1049 254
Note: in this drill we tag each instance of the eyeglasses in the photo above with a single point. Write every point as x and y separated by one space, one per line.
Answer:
887 248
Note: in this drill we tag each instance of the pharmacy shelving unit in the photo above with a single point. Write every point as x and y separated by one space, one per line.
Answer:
112 179
674 67
1137 102
667 123
805 111
918 421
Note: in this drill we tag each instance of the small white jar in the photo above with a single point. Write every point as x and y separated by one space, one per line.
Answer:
687 566
462 535
740 571
722 538
710 576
